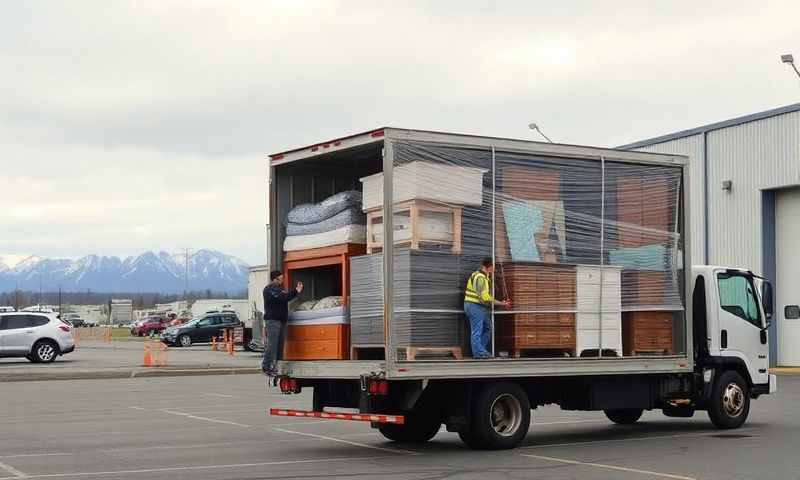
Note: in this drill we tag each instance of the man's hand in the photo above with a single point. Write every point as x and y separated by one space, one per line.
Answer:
299 287
507 303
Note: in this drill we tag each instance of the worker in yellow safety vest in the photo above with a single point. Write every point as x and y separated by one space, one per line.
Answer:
478 301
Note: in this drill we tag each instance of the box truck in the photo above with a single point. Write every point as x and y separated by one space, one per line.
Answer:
589 246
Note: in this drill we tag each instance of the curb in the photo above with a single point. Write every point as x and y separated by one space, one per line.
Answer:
127 373
785 370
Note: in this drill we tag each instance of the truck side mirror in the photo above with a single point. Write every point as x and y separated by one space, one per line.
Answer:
768 298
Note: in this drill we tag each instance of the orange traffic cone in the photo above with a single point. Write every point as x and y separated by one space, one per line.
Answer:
147 361
214 344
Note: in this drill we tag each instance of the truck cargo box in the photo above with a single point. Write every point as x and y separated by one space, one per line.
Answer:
590 245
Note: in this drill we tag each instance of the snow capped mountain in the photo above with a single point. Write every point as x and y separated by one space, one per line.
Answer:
148 272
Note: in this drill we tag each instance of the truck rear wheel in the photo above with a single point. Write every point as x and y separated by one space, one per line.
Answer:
624 416
417 429
729 405
501 417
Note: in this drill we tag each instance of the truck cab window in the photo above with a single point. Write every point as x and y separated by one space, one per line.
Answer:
737 296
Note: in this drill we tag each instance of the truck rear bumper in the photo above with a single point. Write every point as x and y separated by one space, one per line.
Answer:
356 417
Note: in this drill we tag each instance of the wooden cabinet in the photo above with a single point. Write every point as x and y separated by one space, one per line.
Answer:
647 333
548 290
417 222
644 288
599 305
335 255
317 342
643 210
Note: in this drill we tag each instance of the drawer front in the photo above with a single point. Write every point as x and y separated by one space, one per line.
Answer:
315 350
315 332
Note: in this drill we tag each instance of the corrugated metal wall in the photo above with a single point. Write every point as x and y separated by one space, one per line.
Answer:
757 155
692 147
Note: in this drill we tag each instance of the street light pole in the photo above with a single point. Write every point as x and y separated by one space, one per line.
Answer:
788 58
533 126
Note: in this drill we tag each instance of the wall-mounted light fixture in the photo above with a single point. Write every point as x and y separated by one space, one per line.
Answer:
727 185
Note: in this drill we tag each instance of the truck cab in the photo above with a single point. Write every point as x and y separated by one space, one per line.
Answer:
732 311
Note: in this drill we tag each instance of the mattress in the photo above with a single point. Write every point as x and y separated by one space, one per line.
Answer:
435 182
346 234
350 216
304 315
332 320
309 213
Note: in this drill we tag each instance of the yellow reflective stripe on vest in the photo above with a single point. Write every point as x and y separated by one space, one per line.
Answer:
471 294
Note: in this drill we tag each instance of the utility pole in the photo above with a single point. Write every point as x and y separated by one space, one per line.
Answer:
186 275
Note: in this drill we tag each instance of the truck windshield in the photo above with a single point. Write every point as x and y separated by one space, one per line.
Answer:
737 296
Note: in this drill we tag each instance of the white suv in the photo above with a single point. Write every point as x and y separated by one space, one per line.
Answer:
39 337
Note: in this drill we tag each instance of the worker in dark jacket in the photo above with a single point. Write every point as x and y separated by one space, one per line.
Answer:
276 314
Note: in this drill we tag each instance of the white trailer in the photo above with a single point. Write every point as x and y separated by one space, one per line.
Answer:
608 232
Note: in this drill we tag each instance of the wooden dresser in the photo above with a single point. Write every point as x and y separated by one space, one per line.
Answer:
545 287
317 342
647 333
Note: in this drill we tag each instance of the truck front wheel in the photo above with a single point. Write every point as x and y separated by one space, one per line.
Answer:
730 401
624 416
417 429
501 417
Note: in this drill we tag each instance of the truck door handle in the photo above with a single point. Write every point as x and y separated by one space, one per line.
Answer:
28 331
723 341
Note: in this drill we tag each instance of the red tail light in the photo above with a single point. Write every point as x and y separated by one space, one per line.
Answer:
378 387
289 385
64 328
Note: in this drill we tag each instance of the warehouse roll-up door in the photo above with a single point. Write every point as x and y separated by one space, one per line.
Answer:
787 236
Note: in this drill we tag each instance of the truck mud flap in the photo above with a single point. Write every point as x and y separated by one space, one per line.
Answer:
356 417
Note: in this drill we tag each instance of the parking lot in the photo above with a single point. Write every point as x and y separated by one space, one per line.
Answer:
204 427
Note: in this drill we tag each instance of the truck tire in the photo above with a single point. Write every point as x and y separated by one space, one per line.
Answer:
729 404
500 417
624 416
417 429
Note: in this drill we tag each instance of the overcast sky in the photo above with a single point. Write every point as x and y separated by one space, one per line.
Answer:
128 126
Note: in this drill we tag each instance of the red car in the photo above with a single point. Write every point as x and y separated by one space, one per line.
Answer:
149 325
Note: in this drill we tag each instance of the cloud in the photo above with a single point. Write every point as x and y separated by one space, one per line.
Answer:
133 125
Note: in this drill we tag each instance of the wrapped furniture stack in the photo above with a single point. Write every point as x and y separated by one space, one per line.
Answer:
428 304
425 214
643 214
323 235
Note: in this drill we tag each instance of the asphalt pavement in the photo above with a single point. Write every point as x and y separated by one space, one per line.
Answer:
216 427
121 359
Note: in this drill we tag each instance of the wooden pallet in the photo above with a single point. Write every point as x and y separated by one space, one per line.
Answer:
367 352
413 352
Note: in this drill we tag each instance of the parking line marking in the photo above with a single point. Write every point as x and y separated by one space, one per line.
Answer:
193 467
610 467
21 455
12 471
220 395
568 422
206 419
615 440
333 439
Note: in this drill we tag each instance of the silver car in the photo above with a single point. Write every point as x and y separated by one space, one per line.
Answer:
39 337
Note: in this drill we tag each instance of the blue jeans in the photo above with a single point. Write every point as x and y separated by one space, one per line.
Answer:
480 325
273 347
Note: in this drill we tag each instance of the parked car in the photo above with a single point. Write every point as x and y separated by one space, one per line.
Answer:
74 319
39 337
149 325
200 330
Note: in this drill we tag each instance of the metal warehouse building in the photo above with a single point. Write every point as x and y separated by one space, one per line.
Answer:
745 212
